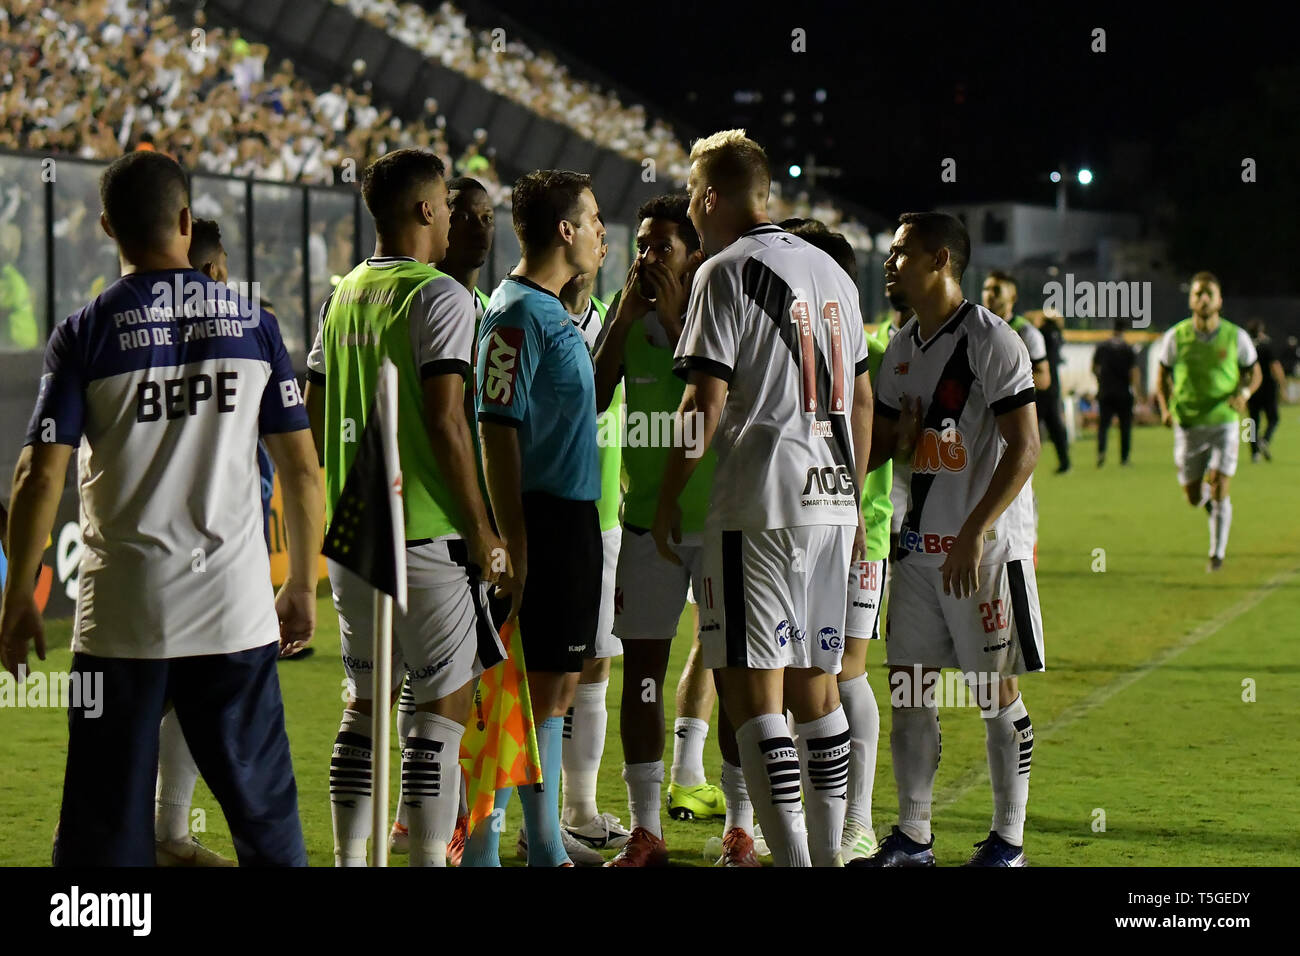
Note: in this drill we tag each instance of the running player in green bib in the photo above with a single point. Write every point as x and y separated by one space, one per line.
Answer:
395 305
1208 371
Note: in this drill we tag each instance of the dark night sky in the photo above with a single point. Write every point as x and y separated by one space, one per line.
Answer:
1163 118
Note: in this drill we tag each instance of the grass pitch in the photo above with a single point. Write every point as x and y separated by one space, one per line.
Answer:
1165 722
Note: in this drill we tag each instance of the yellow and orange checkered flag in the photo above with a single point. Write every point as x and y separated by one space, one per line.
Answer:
499 749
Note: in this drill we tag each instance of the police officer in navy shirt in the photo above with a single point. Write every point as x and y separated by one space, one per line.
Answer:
163 384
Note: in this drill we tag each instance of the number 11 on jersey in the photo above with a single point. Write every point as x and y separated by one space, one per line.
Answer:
808 365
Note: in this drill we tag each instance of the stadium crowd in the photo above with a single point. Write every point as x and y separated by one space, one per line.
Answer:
93 78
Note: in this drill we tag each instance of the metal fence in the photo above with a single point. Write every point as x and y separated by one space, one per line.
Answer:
291 238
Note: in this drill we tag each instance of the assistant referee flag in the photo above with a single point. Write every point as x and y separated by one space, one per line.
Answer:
368 533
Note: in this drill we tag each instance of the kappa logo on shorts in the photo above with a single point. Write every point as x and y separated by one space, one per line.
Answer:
502 363
787 632
830 640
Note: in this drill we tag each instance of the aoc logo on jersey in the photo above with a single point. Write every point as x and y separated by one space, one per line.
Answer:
938 451
837 480
502 363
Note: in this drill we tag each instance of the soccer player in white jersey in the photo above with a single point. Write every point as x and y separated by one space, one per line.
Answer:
396 305
1209 368
955 393
999 295
776 360
164 383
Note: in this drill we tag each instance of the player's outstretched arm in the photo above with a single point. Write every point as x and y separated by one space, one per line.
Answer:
295 457
453 448
1019 429
503 469
38 485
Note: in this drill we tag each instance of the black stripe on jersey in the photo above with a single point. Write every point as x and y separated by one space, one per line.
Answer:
863 367
948 327
444 367
733 599
1012 402
948 400
683 367
1024 621
762 229
775 297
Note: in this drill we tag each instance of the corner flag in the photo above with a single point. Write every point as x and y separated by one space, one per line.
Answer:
368 533
368 537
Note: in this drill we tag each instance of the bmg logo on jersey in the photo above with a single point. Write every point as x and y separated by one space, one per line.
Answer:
502 363
829 639
938 451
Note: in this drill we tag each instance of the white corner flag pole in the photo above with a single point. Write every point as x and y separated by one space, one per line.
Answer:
379 720
386 408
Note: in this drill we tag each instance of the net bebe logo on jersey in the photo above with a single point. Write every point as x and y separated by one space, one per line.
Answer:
925 543
502 363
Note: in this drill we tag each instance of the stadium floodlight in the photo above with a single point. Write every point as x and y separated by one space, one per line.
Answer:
1055 176
1085 176
795 170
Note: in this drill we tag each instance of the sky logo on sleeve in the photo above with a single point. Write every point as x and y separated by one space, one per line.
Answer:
502 363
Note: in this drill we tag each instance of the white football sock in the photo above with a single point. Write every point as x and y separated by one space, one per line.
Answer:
644 785
915 743
824 755
1010 742
350 793
864 732
584 743
1220 523
1205 494
430 755
405 720
740 812
177 774
689 734
771 764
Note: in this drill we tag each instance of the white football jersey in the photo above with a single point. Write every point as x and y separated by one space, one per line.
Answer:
778 320
164 383
972 370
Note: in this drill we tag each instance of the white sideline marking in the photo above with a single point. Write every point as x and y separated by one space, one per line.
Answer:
1080 709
